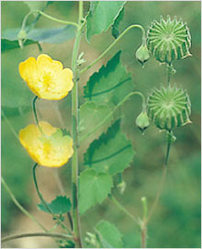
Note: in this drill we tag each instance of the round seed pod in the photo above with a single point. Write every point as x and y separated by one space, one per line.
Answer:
169 108
169 40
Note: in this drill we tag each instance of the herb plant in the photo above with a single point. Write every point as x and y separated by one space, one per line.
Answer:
97 121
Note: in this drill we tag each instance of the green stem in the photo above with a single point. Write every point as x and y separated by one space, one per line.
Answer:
47 16
75 208
22 209
18 236
111 113
169 141
58 20
37 189
113 44
144 223
123 209
34 110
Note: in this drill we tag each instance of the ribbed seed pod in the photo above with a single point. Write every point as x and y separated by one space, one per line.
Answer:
169 40
169 108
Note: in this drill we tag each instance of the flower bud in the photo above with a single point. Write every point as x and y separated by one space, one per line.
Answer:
142 121
142 54
121 187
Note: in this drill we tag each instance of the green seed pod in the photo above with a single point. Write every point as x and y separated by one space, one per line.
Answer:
142 54
142 121
169 108
169 40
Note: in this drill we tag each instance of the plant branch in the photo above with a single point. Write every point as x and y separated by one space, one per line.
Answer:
22 209
111 113
52 235
113 44
75 208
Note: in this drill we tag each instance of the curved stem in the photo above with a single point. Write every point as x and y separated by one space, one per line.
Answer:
113 44
169 141
58 20
111 113
75 208
18 236
37 189
34 110
123 209
47 16
22 209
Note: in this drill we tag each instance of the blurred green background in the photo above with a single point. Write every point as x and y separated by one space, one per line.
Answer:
176 222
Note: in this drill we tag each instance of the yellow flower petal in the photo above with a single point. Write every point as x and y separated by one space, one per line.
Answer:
46 77
48 148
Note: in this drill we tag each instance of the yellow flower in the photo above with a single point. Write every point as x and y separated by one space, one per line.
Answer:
47 145
46 77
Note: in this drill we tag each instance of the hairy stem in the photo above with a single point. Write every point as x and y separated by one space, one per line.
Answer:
75 208
112 112
113 44
22 209
18 236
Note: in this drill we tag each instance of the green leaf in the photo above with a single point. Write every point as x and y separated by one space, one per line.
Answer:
111 84
51 35
109 235
8 44
93 188
60 205
115 26
111 153
90 116
101 16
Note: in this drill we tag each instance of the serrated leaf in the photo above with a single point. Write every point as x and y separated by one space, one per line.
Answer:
115 26
101 16
111 153
60 205
109 235
110 84
90 116
93 188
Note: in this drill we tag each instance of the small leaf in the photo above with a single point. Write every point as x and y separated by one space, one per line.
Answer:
93 188
115 26
101 16
111 153
109 235
60 205
110 84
